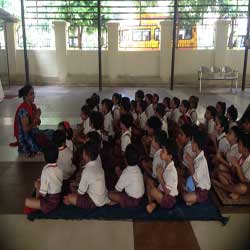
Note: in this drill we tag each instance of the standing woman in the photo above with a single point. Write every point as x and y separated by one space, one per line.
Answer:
27 120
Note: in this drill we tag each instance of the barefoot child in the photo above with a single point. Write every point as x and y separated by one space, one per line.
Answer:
48 188
92 190
166 192
130 186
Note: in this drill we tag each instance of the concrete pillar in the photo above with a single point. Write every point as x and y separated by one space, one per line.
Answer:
113 42
11 42
61 41
221 37
166 49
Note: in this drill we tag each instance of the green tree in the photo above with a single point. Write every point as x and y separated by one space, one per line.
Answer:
4 3
82 15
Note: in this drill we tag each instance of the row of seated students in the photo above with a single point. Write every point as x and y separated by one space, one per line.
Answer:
124 150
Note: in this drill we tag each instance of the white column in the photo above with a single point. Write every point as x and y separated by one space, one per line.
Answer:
61 41
11 42
166 49
221 37
113 66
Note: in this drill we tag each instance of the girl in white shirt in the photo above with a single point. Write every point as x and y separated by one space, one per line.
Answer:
232 115
160 112
193 100
108 130
48 188
65 126
116 99
165 193
150 108
129 189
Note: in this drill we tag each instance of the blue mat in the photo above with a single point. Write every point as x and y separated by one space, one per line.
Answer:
200 212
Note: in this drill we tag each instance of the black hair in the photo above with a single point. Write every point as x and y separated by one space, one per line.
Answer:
68 130
157 96
223 122
50 152
245 140
91 103
139 94
199 137
86 109
143 105
149 97
236 131
212 110
96 119
24 91
171 148
132 155
154 122
193 100
59 138
233 112
167 101
125 104
187 130
160 109
176 101
95 138
118 97
127 120
223 107
96 99
91 149
133 104
108 103
160 137
186 104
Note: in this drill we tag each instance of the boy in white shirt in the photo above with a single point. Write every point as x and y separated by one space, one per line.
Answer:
130 186
174 105
232 115
209 120
96 121
193 100
92 190
48 188
142 117
150 108
165 193
160 112
108 133
116 99
64 161
198 170
126 123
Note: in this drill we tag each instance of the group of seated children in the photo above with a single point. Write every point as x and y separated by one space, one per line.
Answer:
125 150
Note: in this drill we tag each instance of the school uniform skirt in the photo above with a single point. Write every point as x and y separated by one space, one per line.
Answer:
201 195
167 201
50 202
84 201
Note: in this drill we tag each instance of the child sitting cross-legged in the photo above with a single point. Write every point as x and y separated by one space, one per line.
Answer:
130 186
92 190
49 187
165 193
198 183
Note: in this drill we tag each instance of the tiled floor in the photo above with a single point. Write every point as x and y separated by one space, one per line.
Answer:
17 174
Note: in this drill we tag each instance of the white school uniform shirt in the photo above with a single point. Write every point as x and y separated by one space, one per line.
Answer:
201 173
125 140
108 124
150 111
116 112
93 183
131 180
51 180
86 126
232 124
167 115
193 116
157 161
171 179
187 149
223 144
175 116
246 168
210 126
64 162
164 126
143 120
70 145
233 151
